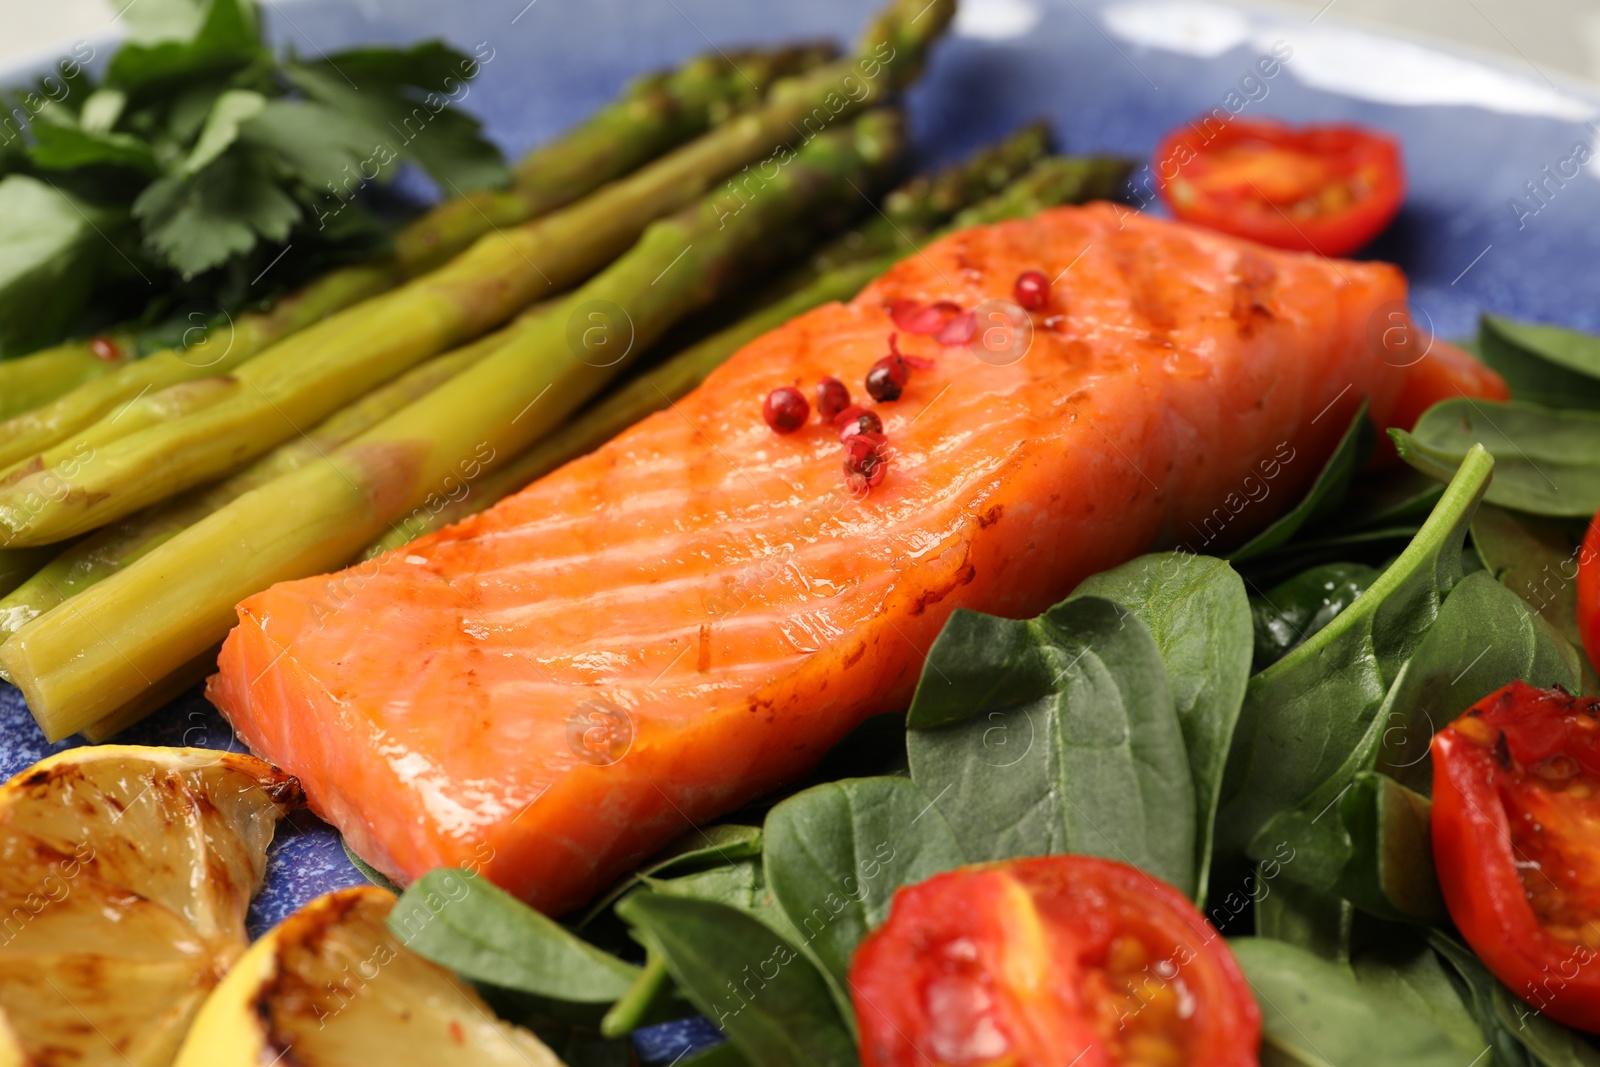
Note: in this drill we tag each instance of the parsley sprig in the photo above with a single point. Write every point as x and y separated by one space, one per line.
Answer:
200 159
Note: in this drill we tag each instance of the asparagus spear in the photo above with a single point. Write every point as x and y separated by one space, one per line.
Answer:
107 551
155 698
17 565
652 117
29 381
102 649
216 351
303 379
656 113
1049 183
930 200
1052 182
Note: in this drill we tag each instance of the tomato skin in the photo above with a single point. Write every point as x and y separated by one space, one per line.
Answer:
1033 962
1486 761
1351 176
1589 592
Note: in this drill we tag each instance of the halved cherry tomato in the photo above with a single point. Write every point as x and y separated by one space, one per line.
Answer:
1589 592
1327 189
1516 840
1045 962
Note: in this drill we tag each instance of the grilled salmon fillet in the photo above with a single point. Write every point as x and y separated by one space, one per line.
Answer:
668 627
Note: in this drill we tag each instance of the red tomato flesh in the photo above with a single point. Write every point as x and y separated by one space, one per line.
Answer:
1516 839
1045 962
1327 189
1589 592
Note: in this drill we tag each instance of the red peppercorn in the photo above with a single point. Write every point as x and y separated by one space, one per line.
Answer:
856 420
887 378
1032 290
865 461
926 319
786 409
104 348
832 398
959 330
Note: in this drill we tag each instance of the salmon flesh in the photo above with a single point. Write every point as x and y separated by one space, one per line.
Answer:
689 617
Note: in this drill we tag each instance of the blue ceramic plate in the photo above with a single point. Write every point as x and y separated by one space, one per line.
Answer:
1503 211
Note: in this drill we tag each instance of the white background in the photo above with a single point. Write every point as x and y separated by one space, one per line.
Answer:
1552 35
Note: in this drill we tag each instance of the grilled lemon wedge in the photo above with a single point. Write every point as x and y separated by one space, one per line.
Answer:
125 873
330 986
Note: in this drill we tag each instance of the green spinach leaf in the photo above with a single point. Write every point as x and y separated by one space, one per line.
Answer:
1065 738
740 884
1365 836
367 871
651 999
1548 365
1536 558
726 1054
1393 496
1395 964
756 986
1485 637
836 853
1289 613
1520 1035
1310 919
702 847
1370 845
467 924
1316 1013
1306 714
1547 461
1325 494
1196 609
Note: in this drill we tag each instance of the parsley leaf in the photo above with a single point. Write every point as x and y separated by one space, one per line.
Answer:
200 222
314 143
48 251
409 114
210 161
226 37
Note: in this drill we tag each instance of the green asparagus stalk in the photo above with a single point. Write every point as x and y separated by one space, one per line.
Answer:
108 550
78 664
215 351
153 699
656 113
650 119
309 375
30 381
914 209
1048 183
17 565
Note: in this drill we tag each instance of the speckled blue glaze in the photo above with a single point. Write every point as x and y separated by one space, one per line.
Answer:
671 1042
1458 238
